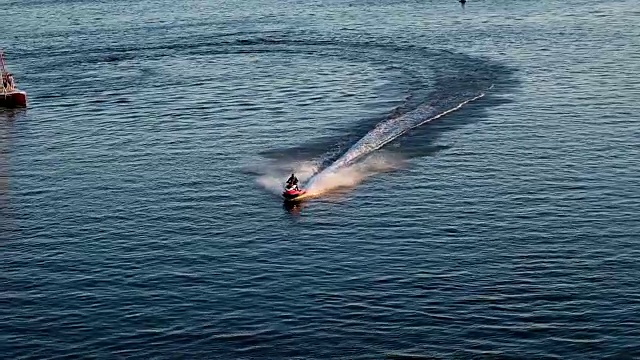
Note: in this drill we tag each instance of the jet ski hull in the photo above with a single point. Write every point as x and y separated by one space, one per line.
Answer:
294 195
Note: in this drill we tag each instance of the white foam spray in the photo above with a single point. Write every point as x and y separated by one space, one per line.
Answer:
274 175
360 161
348 170
350 175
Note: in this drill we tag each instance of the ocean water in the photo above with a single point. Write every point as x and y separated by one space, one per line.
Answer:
475 174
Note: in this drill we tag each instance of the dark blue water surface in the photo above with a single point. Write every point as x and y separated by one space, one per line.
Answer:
140 214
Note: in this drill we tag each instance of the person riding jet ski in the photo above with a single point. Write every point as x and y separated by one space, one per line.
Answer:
292 182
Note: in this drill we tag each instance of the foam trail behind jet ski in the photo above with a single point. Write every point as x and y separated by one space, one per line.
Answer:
381 135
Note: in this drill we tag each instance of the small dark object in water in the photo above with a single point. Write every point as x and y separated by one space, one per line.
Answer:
463 2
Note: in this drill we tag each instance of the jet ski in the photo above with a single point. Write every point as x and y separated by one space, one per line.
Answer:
291 190
293 193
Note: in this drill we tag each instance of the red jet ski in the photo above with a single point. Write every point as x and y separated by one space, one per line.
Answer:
291 190
292 193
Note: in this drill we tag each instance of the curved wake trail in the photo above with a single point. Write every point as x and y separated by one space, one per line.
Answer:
347 172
